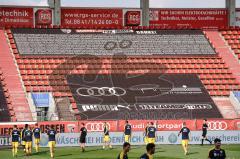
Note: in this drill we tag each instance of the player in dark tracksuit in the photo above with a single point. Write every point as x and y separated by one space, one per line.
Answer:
83 137
127 132
204 131
123 154
23 137
150 151
217 152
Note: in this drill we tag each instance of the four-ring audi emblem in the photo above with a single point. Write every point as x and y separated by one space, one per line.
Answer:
217 125
98 126
101 91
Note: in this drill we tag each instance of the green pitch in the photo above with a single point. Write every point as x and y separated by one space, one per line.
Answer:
162 152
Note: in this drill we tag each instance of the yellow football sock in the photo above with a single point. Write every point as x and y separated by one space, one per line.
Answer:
13 152
16 150
37 148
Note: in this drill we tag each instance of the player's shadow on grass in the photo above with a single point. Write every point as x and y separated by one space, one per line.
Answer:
158 151
164 157
92 150
135 147
40 152
192 153
64 155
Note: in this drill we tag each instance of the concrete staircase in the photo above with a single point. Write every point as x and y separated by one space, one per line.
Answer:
63 108
225 107
13 82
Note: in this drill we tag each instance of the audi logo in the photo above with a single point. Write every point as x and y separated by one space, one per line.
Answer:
96 126
217 125
101 91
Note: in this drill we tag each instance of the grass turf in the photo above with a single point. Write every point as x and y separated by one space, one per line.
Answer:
162 152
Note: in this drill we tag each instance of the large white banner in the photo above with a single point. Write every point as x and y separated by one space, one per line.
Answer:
163 137
117 138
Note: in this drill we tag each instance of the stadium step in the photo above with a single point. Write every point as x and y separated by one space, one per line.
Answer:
225 107
13 84
224 51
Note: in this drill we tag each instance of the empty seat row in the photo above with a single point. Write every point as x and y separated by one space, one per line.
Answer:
233 39
56 41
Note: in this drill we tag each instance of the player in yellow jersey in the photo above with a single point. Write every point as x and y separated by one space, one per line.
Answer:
15 139
36 134
52 140
28 138
106 137
145 133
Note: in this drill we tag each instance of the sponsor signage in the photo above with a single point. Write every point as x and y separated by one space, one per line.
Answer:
219 124
197 18
161 125
133 18
91 18
137 138
43 17
118 125
118 96
16 17
98 126
59 126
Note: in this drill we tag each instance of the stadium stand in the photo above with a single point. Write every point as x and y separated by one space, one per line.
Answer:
56 41
43 72
13 83
232 37
5 103
224 52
